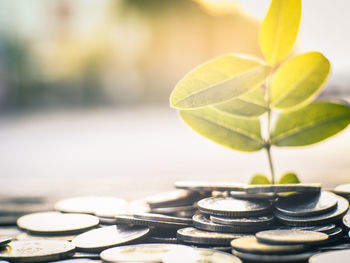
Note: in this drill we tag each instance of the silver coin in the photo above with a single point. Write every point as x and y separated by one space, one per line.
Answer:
252 245
37 251
173 198
140 253
5 240
106 221
334 256
200 237
335 233
332 216
162 240
160 217
286 237
307 204
229 206
57 223
28 236
77 260
86 255
251 257
99 239
9 231
346 221
190 209
342 189
282 188
244 195
207 186
132 220
323 228
9 220
244 221
99 205
203 222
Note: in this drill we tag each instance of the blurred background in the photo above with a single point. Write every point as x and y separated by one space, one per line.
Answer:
84 88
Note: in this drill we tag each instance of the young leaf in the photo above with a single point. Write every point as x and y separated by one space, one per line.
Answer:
310 124
249 105
279 29
218 81
298 80
289 178
233 132
259 179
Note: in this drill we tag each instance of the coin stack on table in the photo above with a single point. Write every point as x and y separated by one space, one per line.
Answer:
198 222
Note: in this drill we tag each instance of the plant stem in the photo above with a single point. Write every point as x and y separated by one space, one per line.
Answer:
268 144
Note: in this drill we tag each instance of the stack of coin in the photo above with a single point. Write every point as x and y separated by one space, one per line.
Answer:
310 210
343 190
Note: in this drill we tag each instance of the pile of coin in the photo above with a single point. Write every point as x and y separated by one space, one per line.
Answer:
198 222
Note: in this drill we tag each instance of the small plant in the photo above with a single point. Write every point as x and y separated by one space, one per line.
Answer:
226 98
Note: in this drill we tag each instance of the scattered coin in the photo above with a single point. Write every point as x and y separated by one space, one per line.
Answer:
9 231
334 256
84 255
252 245
206 186
162 240
140 253
307 204
335 233
106 221
28 236
322 228
203 222
37 251
5 239
132 220
329 217
229 206
175 210
196 236
173 198
342 189
244 221
99 239
160 217
286 237
57 223
8 220
252 257
100 205
244 195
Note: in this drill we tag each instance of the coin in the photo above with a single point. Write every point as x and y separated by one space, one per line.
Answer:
175 210
244 221
334 256
322 228
286 237
163 240
85 255
107 221
100 205
19 209
307 204
332 216
335 233
244 195
28 236
282 188
37 251
203 222
140 253
200 237
229 206
252 257
9 231
252 245
132 220
173 198
195 255
99 239
9 220
346 221
78 260
342 189
160 217
57 223
5 239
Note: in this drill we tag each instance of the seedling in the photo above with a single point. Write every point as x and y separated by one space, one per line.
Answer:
227 98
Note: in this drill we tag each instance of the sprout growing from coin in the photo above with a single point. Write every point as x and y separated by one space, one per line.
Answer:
227 98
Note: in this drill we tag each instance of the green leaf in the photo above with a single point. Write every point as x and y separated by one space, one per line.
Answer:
310 124
230 131
279 29
298 80
249 105
259 179
218 81
289 178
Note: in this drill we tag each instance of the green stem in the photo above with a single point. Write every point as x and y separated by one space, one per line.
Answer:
268 144
272 170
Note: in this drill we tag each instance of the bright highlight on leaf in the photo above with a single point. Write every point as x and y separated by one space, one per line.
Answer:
233 132
289 178
218 81
279 29
310 124
259 179
298 80
249 105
